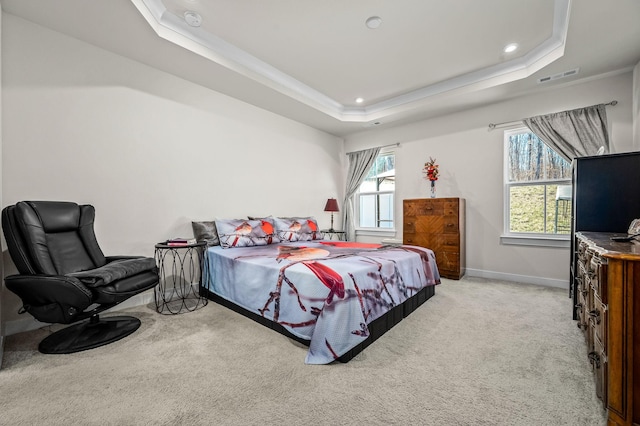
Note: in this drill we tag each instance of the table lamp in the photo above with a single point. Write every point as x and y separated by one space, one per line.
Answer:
331 206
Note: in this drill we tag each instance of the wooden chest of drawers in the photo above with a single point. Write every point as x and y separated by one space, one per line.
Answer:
608 312
437 224
591 309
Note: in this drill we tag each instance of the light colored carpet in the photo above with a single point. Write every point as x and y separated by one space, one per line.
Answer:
477 353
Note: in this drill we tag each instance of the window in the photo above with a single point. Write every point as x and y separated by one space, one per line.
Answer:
537 186
374 199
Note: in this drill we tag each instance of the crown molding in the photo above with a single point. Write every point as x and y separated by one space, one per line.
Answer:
174 29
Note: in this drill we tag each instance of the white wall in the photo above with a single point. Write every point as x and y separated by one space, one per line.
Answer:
471 166
150 151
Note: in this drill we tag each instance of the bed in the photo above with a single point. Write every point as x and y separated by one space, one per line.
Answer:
336 297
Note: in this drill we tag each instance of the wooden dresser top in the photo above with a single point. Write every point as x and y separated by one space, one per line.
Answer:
612 249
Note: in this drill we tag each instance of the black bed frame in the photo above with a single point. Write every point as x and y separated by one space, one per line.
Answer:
376 328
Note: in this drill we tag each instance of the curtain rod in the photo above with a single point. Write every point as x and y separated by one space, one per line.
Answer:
383 146
511 123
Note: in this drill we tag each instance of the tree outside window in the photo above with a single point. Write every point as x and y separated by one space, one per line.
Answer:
537 186
376 194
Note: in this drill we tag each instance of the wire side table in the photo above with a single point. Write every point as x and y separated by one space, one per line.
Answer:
340 235
180 273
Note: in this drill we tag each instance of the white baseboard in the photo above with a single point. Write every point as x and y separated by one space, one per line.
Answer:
526 279
29 323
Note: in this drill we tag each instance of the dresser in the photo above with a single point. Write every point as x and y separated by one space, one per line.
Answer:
437 224
608 313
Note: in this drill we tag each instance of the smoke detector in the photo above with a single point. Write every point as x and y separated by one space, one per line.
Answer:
373 22
192 18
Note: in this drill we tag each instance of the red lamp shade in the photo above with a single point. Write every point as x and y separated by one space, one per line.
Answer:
332 205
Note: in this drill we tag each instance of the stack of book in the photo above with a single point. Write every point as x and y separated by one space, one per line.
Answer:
181 242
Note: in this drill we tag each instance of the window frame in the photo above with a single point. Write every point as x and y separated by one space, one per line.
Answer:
377 231
526 238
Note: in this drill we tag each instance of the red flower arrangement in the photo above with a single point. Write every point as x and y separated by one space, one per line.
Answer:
430 170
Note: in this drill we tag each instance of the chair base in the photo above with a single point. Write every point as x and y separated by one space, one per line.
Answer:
89 334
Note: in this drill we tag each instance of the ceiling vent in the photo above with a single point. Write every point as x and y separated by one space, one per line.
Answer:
558 76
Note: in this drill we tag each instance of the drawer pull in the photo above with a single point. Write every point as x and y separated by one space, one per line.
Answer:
578 309
594 359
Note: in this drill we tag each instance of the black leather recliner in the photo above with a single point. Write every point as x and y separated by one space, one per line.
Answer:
65 278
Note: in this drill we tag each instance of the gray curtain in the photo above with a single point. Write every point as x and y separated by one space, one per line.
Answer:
359 164
576 133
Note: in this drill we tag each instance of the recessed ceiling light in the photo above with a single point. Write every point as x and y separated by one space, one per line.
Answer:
373 22
510 47
359 100
192 18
